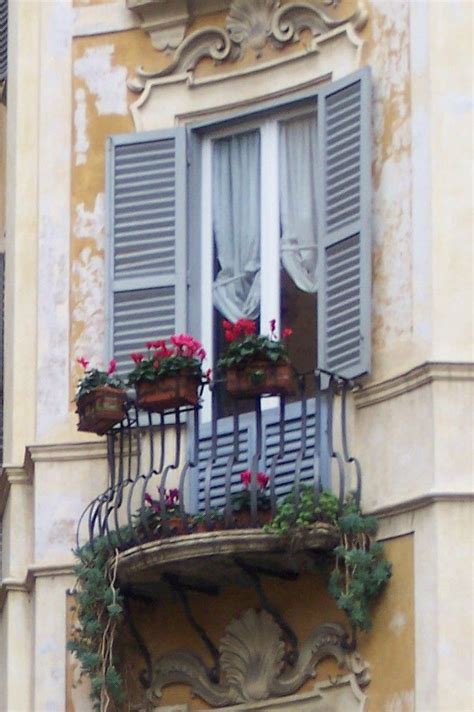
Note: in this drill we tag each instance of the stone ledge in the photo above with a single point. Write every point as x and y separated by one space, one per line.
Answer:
211 558
417 377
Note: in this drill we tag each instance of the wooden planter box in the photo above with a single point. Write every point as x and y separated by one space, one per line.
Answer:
261 378
101 409
243 519
168 393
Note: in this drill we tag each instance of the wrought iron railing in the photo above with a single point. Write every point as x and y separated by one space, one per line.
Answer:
294 443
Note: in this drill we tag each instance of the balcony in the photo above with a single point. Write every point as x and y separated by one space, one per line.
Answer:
299 445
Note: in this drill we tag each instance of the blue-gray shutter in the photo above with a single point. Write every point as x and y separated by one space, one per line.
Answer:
343 200
310 453
146 187
225 444
3 40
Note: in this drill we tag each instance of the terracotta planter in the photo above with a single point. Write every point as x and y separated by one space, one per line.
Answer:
243 519
101 409
261 378
168 393
176 526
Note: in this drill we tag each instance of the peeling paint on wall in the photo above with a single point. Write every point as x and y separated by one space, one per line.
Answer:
401 702
106 82
88 283
88 312
388 55
398 622
91 224
81 145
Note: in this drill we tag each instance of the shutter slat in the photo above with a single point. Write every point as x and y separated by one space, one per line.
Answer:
344 225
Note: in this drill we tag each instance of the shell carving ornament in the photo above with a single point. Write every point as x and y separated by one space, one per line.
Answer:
252 663
251 23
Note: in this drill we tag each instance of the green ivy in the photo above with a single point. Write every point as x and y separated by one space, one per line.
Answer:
99 610
360 571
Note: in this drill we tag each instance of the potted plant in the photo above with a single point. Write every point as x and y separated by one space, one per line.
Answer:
255 364
176 519
199 523
100 398
168 376
296 510
241 501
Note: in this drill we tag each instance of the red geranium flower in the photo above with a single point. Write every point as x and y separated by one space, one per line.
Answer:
83 362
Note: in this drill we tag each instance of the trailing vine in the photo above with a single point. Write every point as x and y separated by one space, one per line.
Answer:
360 570
99 612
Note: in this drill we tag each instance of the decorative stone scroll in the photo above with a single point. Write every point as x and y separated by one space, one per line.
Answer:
250 24
254 668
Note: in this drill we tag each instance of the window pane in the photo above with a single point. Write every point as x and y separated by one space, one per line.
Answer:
236 224
298 283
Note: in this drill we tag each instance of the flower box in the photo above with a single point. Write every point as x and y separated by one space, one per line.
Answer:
169 392
261 378
243 519
101 409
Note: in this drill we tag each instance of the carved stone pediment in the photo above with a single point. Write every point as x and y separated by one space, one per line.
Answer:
249 24
254 667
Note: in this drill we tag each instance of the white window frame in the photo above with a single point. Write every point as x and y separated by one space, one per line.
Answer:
268 126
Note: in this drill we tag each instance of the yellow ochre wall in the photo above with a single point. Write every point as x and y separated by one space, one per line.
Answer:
304 604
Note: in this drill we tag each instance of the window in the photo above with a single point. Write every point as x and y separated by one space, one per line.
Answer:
265 214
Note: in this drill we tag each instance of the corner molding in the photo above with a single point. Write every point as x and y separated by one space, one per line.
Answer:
253 666
417 377
249 24
27 584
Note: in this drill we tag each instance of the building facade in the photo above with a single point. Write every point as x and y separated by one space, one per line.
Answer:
168 163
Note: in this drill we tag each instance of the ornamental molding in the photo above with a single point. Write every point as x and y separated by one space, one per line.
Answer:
254 668
423 375
250 24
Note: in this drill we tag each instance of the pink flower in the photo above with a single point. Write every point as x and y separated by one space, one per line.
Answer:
208 374
246 477
227 325
83 362
286 332
262 480
136 357
201 354
273 326
112 366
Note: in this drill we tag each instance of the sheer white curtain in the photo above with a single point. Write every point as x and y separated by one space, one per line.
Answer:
297 201
236 224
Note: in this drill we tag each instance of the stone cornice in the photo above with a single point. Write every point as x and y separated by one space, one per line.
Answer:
26 585
421 502
417 377
64 452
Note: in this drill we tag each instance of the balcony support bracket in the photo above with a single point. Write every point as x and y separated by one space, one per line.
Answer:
253 574
181 591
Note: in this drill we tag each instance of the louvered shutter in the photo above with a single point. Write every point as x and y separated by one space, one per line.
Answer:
147 228
303 450
3 39
343 199
224 452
